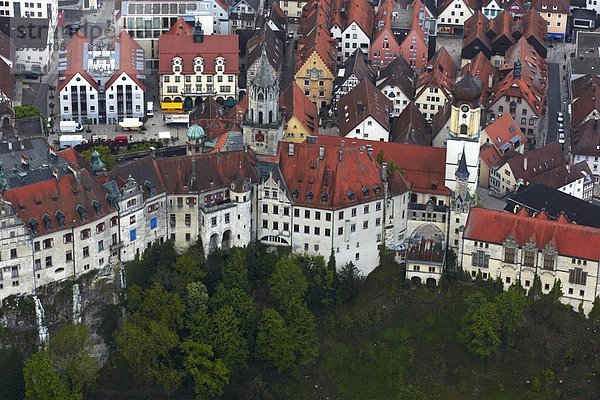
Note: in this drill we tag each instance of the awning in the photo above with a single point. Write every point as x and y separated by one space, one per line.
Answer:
171 106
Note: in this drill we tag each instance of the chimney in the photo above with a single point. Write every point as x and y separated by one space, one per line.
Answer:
55 173
384 171
341 154
291 150
525 164
490 81
321 152
370 151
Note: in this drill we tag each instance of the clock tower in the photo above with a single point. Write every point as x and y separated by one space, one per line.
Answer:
263 124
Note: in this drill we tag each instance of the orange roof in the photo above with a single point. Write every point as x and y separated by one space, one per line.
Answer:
440 72
320 41
475 27
481 67
504 133
363 101
423 167
297 104
77 45
489 155
586 102
63 196
342 177
74 158
128 60
361 12
569 239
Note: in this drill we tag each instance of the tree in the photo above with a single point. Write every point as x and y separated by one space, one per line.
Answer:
196 297
156 304
41 382
481 326
146 346
228 340
411 392
69 352
106 155
234 272
27 112
348 283
185 269
535 292
243 305
556 292
320 278
288 283
210 375
273 341
301 323
511 306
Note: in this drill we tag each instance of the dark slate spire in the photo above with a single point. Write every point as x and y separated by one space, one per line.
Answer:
97 164
264 78
462 172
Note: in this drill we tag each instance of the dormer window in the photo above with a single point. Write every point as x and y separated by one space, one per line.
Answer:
324 197
60 218
350 194
295 194
150 186
47 221
365 191
82 212
33 223
529 258
309 195
376 189
177 65
97 206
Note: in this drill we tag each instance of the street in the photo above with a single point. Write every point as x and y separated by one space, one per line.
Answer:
554 102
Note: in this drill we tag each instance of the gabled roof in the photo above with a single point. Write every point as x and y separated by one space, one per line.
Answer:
179 42
362 101
569 239
411 127
587 101
443 4
423 167
585 139
547 6
277 15
128 60
564 175
490 155
75 49
504 133
74 158
475 28
66 197
143 170
536 29
395 74
329 176
273 46
319 41
362 13
481 67
538 197
358 65
296 103
536 162
440 72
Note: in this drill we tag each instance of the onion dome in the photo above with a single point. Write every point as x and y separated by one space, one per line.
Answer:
468 88
97 164
195 132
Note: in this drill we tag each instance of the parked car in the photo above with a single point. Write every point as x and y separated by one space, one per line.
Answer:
561 138
560 117
561 125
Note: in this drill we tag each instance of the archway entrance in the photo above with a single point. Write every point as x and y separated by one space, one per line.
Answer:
226 242
213 242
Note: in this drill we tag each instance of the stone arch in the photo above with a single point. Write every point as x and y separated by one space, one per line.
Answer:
213 242
271 116
5 121
226 241
413 198
431 282
199 101
415 280
260 117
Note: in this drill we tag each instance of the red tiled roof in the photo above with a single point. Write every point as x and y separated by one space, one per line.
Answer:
317 40
536 162
77 45
64 194
297 104
343 177
481 67
535 27
362 101
569 239
237 112
586 102
423 167
361 12
489 155
74 158
411 127
475 27
179 42
586 138
563 175
547 6
440 72
128 49
503 131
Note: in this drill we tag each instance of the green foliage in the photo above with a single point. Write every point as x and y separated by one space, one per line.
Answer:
234 272
106 155
143 272
392 166
27 112
69 352
320 277
594 314
196 297
556 293
42 382
273 341
511 306
146 346
210 375
242 303
175 273
411 392
481 326
157 304
288 284
535 292
12 385
347 283
228 340
260 262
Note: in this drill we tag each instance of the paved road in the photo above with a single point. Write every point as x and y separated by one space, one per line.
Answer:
287 73
554 101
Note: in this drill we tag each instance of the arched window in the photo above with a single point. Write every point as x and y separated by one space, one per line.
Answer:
260 117
270 116
463 129
252 114
260 96
413 198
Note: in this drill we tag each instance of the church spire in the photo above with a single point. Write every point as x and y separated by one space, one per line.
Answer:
462 172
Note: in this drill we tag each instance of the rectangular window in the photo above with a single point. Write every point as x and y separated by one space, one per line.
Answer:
100 245
577 276
296 228
69 256
340 230
306 229
307 214
153 223
296 212
132 235
480 259
510 255
188 219
213 221
549 261
85 234
86 251
327 232
529 258
48 261
366 208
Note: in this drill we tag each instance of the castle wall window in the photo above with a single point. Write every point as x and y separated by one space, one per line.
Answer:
510 255
480 259
549 261
529 258
577 276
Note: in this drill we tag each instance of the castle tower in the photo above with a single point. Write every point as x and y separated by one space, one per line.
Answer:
465 127
263 124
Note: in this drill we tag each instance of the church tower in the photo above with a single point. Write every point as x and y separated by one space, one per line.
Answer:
263 124
462 153
464 130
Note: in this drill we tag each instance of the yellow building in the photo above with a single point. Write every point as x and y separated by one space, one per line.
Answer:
301 117
555 12
293 9
316 66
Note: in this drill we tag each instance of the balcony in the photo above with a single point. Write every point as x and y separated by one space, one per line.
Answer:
116 246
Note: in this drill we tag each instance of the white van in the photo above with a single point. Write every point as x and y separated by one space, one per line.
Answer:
150 109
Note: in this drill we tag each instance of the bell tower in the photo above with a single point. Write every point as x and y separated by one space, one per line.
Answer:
263 124
464 130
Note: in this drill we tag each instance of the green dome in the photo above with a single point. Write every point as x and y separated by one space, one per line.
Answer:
195 132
